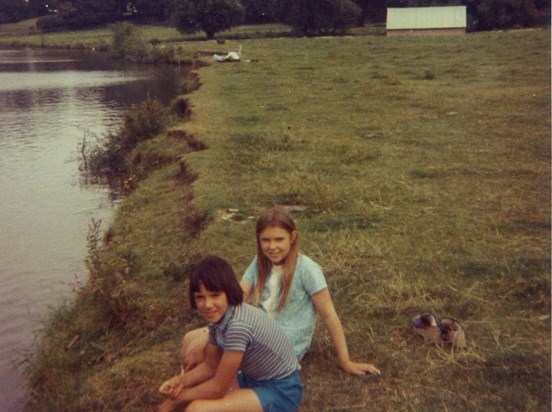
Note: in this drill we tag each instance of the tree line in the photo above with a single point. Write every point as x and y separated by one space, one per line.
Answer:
306 17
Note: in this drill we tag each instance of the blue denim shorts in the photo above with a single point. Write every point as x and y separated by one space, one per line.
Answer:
276 395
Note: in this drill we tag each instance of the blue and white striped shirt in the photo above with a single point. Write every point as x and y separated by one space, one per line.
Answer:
267 352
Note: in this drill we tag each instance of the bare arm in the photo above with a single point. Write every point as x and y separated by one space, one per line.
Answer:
326 310
247 290
217 386
195 376
213 388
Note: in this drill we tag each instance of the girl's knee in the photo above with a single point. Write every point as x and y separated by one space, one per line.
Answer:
195 406
192 335
189 336
192 350
190 340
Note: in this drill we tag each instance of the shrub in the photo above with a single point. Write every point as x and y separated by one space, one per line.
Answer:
102 45
108 159
181 106
50 23
160 54
143 122
189 83
106 285
127 44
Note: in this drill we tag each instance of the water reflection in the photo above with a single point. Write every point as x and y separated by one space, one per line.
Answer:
49 100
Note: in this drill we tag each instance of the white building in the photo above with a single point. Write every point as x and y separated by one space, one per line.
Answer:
426 20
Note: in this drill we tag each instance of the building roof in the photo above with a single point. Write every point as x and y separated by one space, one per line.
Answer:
411 18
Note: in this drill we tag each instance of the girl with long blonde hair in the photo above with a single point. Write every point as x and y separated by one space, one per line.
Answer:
291 288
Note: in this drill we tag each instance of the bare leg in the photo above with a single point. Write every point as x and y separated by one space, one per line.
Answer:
192 350
169 406
242 400
236 399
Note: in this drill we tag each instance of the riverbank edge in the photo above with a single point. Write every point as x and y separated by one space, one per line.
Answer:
76 335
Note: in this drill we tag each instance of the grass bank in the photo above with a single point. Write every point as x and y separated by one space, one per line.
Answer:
418 170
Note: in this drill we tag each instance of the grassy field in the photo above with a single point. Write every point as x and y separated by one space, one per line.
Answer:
25 33
418 170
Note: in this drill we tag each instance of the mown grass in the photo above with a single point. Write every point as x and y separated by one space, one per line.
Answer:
420 194
418 170
25 33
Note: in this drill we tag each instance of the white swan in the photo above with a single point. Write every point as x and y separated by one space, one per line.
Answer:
232 56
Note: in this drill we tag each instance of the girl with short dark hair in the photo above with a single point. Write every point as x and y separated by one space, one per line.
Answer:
249 364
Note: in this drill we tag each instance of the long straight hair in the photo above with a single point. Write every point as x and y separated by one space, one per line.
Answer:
276 217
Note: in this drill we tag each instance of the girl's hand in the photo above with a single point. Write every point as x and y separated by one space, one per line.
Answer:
355 368
172 387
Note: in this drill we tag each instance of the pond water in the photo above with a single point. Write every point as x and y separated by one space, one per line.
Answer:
49 101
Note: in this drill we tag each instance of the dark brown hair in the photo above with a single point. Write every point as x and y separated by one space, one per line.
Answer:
216 275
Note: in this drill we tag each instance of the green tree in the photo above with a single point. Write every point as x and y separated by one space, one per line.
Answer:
311 17
258 11
372 10
504 14
37 8
12 10
79 14
211 16
159 10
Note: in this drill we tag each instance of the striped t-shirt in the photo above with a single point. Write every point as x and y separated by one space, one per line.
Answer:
267 352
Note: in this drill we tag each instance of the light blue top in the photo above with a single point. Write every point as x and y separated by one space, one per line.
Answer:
298 318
